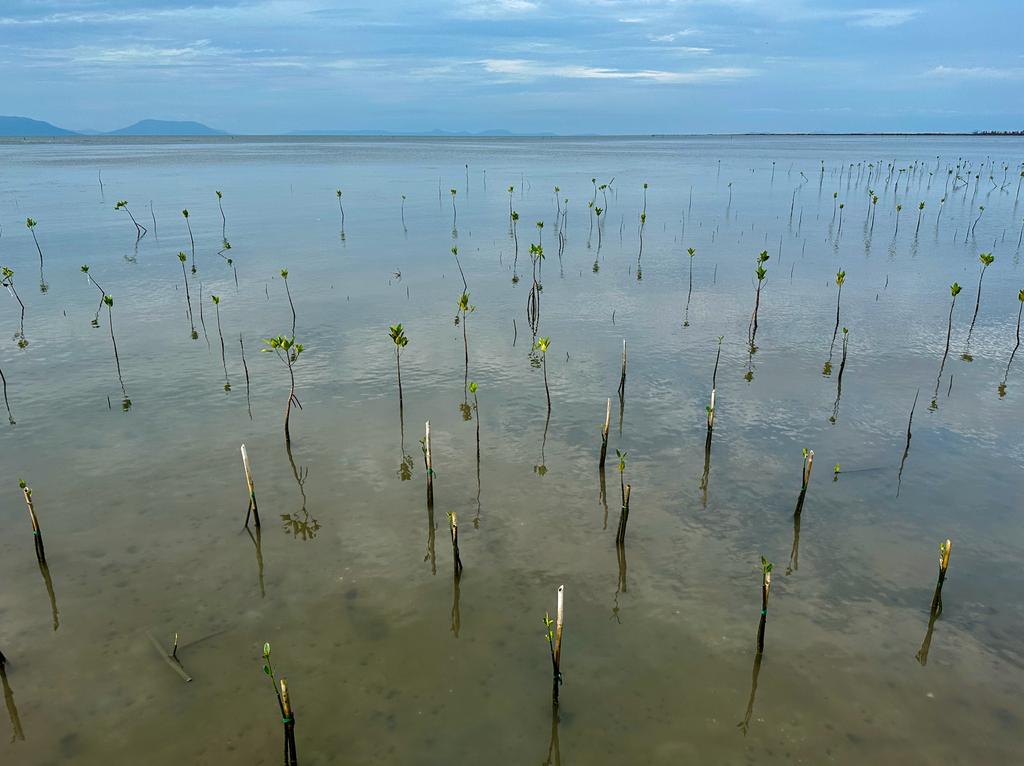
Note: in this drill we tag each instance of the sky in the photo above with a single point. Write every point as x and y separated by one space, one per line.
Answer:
564 66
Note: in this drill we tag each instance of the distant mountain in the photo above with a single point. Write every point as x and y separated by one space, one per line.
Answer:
24 126
167 128
435 132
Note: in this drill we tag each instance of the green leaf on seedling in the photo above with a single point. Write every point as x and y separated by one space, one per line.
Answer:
472 387
266 649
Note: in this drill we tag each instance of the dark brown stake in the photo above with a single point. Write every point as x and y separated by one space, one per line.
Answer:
766 584
291 757
453 523
252 491
604 435
620 537
429 463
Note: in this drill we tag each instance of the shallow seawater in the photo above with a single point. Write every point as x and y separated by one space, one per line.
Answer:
389 658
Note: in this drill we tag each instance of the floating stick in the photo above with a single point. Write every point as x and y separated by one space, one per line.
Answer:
172 658
252 491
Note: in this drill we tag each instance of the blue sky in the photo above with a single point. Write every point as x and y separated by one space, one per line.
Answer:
600 66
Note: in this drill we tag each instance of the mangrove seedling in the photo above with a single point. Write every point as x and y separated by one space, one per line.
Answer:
986 260
840 280
182 258
399 338
514 218
223 358
108 301
553 634
640 250
291 305
31 223
455 211
7 280
898 209
543 344
920 212
288 351
762 258
291 758
191 239
341 209
223 219
936 606
1002 386
954 290
140 230
686 313
44 568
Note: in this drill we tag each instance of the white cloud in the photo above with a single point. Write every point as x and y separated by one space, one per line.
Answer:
526 69
882 17
671 37
489 9
974 73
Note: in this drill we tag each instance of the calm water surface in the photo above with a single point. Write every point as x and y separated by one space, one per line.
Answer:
389 659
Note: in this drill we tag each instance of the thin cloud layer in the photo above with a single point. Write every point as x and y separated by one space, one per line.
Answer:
614 66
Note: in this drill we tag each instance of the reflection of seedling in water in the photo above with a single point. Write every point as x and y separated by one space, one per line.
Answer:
108 301
760 272
288 351
223 358
284 705
140 230
191 239
182 258
7 280
986 261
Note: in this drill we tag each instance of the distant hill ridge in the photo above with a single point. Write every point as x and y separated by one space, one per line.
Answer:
25 126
